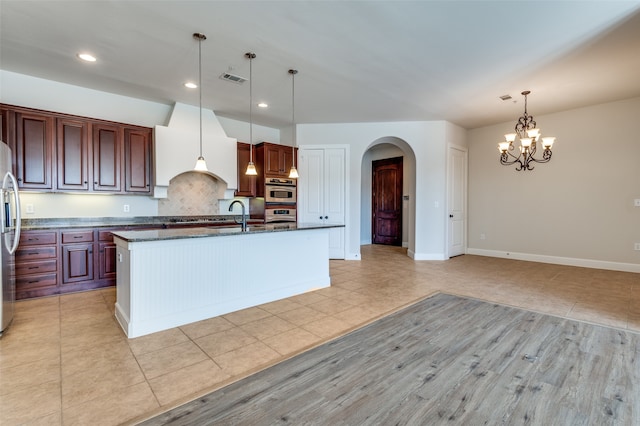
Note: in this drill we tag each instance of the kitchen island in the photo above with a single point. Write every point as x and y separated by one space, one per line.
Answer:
171 277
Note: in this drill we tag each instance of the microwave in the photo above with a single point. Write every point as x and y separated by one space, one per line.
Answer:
281 194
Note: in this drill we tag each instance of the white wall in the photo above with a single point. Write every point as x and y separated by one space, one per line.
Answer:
578 208
428 140
240 130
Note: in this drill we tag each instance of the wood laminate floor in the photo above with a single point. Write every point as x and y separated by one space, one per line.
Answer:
443 360
65 360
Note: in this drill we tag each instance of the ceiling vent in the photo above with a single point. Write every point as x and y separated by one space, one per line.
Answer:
505 97
232 78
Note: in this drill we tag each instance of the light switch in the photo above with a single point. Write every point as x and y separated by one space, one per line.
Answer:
636 202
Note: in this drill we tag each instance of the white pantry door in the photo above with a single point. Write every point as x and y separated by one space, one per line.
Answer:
457 200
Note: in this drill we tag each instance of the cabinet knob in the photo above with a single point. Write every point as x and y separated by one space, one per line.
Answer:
85 182
320 218
19 179
95 183
326 217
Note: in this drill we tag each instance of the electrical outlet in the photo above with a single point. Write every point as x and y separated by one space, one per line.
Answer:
30 209
483 237
126 208
636 246
636 202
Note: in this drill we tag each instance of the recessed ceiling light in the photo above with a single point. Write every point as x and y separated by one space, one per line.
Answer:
263 104
190 85
86 57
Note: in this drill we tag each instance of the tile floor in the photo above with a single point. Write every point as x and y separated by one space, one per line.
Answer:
65 360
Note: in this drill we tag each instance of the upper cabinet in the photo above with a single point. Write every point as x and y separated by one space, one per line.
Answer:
276 160
34 146
246 184
57 152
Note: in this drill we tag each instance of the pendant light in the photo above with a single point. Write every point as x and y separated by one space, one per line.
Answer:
201 165
293 173
251 168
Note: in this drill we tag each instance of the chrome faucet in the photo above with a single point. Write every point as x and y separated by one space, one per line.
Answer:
244 216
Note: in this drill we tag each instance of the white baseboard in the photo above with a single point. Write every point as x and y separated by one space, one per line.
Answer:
569 261
352 256
426 256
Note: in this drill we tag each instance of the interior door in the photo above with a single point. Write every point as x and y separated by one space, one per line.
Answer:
457 196
387 201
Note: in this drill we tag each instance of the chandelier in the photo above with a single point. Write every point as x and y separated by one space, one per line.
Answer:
529 136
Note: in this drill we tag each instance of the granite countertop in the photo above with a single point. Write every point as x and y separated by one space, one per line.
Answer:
213 231
97 222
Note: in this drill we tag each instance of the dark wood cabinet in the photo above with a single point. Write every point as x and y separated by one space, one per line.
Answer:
276 160
77 256
34 150
73 153
36 264
246 184
106 255
137 160
107 152
59 152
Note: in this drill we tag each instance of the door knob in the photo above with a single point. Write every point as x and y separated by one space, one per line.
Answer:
326 217
451 216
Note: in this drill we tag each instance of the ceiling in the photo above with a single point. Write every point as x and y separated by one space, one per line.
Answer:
358 61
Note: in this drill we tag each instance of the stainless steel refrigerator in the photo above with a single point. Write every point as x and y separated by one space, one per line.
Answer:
9 234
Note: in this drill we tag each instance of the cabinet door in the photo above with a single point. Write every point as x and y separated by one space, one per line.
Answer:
34 150
107 260
107 148
77 263
274 162
137 160
73 154
246 184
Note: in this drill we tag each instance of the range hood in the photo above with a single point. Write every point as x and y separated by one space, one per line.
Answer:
177 147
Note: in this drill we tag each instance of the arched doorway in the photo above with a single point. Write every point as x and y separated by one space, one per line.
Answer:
386 148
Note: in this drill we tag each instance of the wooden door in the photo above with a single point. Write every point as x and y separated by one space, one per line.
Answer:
34 150
137 160
107 148
72 154
387 201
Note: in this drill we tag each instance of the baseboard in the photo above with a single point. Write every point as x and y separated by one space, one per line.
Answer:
569 261
352 256
426 256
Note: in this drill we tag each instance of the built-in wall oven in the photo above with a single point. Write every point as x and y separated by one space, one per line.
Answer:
280 191
279 214
280 200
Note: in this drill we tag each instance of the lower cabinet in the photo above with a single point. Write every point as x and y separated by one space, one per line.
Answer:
77 257
36 264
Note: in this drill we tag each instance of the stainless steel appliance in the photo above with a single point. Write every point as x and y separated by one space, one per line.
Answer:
279 214
280 191
9 234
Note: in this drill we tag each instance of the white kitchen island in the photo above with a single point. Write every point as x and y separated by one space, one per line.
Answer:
171 277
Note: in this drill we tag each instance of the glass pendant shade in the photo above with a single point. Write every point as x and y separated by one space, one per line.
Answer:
251 169
293 173
201 165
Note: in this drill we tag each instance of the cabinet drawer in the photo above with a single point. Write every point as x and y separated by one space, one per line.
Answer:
38 238
32 282
26 268
77 236
25 254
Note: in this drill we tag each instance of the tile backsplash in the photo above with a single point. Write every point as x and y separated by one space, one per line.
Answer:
192 194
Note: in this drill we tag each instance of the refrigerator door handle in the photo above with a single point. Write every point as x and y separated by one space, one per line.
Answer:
7 206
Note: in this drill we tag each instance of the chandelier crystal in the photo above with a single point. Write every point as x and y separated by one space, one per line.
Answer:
529 136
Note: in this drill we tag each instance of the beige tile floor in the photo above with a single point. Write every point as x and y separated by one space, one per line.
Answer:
66 361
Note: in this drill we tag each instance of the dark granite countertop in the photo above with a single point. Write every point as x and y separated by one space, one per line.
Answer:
213 231
96 222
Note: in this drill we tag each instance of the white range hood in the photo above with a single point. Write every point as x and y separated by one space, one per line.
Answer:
177 146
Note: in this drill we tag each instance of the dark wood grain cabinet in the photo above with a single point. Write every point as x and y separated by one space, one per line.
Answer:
137 160
36 264
107 153
73 153
77 256
59 152
246 184
34 146
276 160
